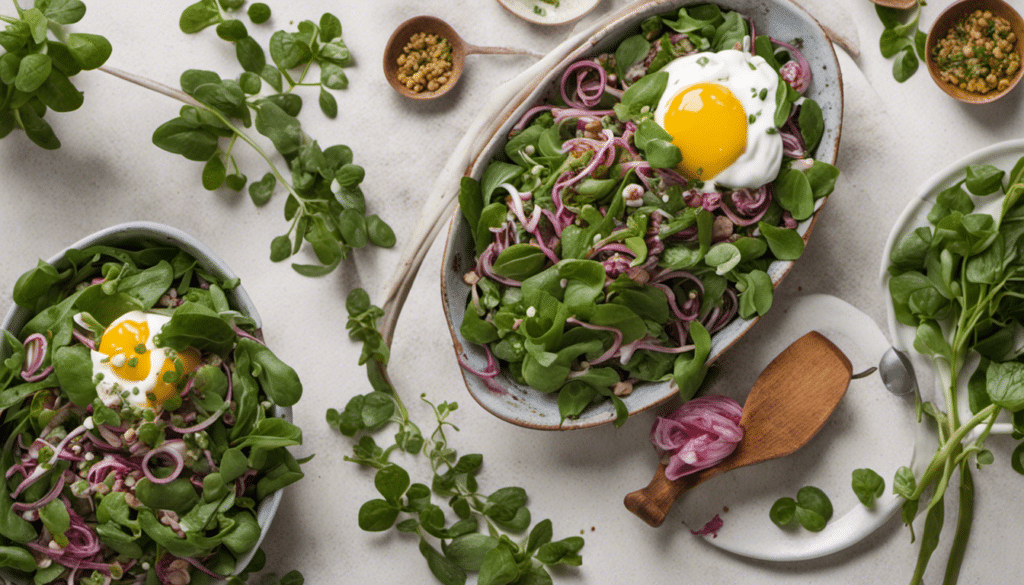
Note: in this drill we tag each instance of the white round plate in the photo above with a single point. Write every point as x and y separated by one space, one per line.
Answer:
541 12
870 428
1003 155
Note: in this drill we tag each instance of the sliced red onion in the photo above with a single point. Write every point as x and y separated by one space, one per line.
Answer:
202 568
198 427
698 435
492 366
19 507
711 528
529 116
86 341
747 206
616 344
35 353
689 314
41 469
563 114
174 450
796 73
589 95
663 349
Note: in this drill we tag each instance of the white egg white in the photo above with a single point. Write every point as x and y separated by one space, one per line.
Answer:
748 77
111 388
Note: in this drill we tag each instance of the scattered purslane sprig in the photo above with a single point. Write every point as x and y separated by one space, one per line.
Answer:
867 485
958 281
902 41
811 508
325 206
35 70
409 507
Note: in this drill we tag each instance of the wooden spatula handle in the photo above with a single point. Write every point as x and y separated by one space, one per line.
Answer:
653 502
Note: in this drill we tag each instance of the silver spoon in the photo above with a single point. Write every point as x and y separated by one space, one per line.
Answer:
897 372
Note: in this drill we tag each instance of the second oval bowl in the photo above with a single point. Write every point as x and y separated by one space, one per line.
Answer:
136 234
523 406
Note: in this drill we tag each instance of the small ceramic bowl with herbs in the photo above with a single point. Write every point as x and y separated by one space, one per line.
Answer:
974 50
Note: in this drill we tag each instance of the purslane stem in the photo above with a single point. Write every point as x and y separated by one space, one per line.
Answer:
945 452
187 99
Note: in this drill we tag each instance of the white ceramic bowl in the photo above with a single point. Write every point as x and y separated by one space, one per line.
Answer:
512 402
144 231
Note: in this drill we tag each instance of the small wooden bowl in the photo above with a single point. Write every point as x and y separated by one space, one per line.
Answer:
953 15
401 36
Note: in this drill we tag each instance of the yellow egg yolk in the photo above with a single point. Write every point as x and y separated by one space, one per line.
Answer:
709 126
126 339
125 344
164 390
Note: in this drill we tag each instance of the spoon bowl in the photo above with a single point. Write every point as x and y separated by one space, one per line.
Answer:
432 25
787 406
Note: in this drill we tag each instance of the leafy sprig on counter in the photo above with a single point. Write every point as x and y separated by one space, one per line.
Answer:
408 507
958 282
811 508
902 41
36 71
325 205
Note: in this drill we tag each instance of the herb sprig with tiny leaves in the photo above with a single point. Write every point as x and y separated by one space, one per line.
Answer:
36 70
408 507
902 41
958 282
325 205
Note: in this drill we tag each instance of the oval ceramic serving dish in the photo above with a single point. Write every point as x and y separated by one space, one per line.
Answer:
523 406
134 233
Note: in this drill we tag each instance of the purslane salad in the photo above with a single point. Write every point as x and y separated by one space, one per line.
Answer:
137 423
637 213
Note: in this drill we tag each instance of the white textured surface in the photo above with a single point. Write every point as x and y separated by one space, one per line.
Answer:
895 137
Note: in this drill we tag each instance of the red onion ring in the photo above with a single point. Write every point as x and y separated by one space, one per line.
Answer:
173 449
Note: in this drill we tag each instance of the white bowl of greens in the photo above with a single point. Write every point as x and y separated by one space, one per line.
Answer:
552 341
109 491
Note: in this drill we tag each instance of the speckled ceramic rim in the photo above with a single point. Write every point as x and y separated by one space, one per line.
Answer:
528 408
145 231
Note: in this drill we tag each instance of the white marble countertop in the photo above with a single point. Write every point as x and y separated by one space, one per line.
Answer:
895 136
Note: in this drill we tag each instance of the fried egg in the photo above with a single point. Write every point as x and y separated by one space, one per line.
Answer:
129 368
720 110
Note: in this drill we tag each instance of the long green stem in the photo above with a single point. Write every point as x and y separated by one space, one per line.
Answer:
946 451
963 524
184 97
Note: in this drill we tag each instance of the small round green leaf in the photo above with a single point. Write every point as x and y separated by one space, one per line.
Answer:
214 173
232 30
32 72
259 13
90 51
391 481
783 511
377 516
379 232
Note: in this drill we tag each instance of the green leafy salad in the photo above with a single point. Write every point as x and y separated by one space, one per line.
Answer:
959 282
139 422
637 212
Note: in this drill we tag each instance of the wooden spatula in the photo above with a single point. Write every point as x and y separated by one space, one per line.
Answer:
789 403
